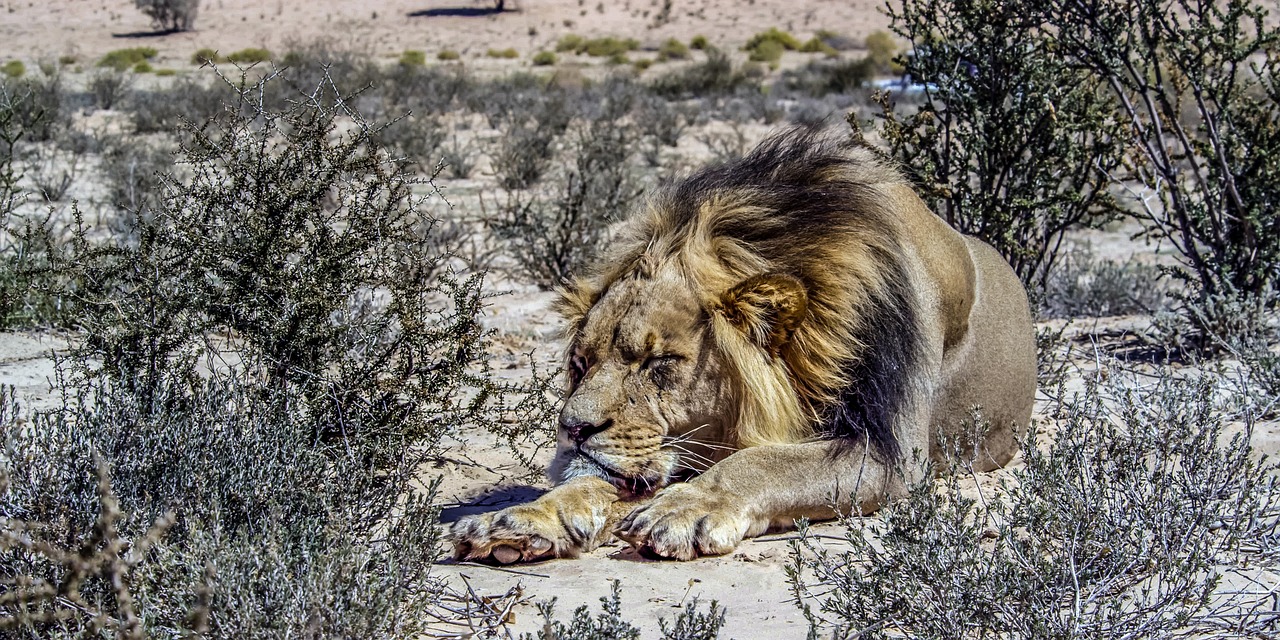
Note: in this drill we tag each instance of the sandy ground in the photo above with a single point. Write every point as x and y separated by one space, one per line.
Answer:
49 29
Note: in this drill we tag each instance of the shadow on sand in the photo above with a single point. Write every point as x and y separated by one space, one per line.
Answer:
456 12
498 498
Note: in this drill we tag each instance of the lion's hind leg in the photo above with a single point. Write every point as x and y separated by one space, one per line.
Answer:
570 519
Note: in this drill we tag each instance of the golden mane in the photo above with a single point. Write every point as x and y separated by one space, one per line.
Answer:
811 207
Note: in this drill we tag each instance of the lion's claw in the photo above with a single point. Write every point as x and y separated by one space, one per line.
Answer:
684 522
506 537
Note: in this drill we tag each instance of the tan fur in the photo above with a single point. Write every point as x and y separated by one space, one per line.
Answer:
705 363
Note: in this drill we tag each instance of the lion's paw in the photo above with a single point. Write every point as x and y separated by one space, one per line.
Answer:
522 533
683 522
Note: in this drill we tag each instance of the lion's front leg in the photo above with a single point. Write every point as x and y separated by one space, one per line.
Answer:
754 489
570 519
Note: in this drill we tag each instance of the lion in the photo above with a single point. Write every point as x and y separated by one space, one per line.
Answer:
788 335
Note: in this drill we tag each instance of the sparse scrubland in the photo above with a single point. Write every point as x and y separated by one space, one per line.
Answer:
273 273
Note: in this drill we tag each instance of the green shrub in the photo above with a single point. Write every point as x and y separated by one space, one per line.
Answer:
570 42
503 53
68 60
447 55
766 51
122 59
205 56
608 47
166 73
13 69
413 58
699 43
143 67
544 59
249 56
1132 522
816 45
774 35
673 49
882 48
1016 151
618 58
1202 141
642 64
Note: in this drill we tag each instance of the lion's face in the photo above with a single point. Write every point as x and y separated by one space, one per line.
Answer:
649 397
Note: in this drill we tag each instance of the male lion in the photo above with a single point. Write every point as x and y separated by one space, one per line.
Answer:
779 337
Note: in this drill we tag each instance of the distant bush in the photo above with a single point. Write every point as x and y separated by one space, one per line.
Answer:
714 76
544 59
569 42
165 109
413 58
122 59
249 56
766 51
642 64
171 15
699 43
131 168
882 48
672 49
447 55
205 56
143 67
508 53
68 60
1084 285
836 41
554 228
816 45
774 35
13 69
165 73
601 47
822 77
41 107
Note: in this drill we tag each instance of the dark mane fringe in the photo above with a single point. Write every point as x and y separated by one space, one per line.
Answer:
821 193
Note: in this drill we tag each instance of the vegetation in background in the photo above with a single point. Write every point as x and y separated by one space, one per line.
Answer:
1196 86
413 58
1012 143
544 59
251 55
122 59
170 15
14 69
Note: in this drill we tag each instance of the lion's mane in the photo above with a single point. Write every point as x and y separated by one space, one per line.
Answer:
815 208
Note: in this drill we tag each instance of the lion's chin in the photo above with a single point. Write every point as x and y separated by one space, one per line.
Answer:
578 463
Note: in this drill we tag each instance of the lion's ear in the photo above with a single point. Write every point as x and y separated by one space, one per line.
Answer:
766 308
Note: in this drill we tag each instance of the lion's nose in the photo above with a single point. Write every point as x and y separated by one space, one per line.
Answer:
579 430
